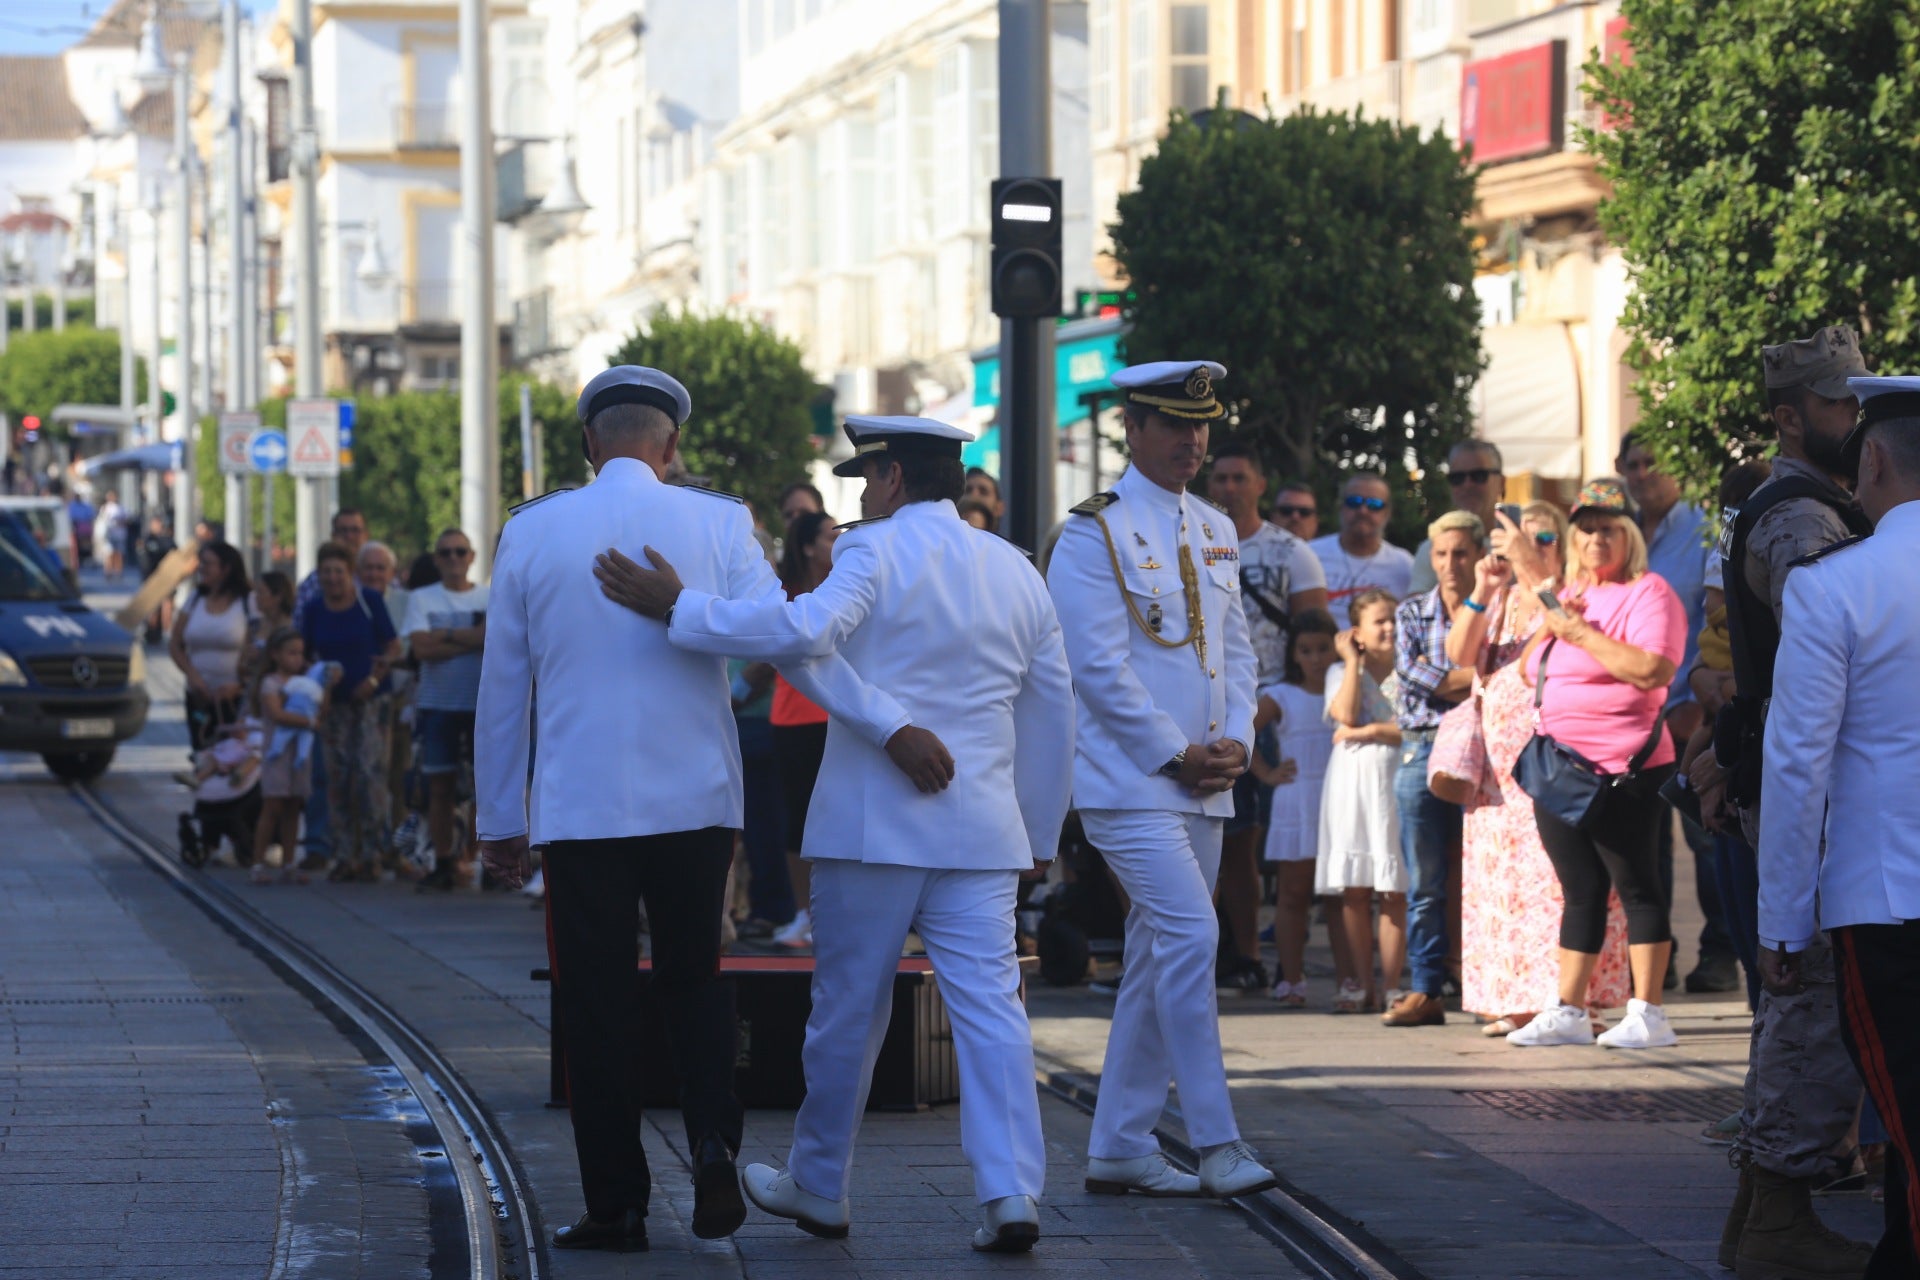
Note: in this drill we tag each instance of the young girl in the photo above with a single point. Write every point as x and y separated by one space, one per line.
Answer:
1359 853
286 777
1293 837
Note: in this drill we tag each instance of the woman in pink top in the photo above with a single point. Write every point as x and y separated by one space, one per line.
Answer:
1610 659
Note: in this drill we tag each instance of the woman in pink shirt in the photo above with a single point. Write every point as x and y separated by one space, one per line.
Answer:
1611 656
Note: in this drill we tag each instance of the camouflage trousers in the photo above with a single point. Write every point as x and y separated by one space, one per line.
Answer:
1802 1091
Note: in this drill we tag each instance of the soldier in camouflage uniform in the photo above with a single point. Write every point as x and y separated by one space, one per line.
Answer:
1802 1091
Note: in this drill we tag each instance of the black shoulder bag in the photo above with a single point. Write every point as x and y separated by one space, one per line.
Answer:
1564 782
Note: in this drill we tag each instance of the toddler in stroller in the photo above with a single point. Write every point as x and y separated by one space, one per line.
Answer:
226 797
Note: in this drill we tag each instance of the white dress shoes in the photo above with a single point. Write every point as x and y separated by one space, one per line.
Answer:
1013 1225
775 1191
1231 1170
1148 1175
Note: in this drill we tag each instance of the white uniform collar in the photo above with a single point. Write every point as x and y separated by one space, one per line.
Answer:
928 510
1132 484
1899 519
630 469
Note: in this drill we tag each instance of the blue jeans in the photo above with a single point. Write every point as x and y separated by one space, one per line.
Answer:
1429 831
1737 878
764 829
317 838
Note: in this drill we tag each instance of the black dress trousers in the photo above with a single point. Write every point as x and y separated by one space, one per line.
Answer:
1879 974
594 891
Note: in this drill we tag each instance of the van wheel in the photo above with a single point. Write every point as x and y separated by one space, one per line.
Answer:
79 766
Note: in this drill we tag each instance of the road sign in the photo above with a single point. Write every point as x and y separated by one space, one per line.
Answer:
348 411
236 433
267 451
313 438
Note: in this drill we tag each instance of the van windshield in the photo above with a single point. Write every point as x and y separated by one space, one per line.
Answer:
25 571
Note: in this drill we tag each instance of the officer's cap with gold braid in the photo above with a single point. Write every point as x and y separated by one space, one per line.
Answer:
1177 388
899 437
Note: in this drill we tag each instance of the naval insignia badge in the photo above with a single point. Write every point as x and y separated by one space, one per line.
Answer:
1154 617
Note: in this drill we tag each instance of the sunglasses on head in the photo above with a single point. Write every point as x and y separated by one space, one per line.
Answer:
1478 475
452 553
1296 513
1354 502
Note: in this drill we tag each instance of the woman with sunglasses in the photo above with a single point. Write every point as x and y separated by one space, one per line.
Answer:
1510 900
447 628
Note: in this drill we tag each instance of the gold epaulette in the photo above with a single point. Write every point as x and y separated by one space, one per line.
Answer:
1096 504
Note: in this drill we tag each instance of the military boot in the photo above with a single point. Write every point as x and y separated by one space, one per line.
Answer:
1783 1238
1736 1220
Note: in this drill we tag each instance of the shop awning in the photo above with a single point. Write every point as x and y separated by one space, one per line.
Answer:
146 457
1086 352
1528 400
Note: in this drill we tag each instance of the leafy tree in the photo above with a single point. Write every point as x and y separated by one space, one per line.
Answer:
79 312
78 365
1766 183
751 430
1326 260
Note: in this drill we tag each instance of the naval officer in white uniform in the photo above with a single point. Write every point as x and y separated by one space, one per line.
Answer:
1146 579
955 625
636 792
1840 831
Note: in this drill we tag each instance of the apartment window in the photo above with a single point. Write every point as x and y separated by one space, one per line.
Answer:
782 19
620 163
985 67
888 128
1100 64
950 141
863 183
1140 105
920 155
1187 47
756 25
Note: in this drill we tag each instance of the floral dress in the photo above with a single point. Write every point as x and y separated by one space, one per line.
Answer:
1510 899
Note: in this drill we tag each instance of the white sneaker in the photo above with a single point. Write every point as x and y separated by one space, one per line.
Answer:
1560 1024
775 1191
796 933
1644 1027
1231 1170
1149 1175
537 885
1013 1226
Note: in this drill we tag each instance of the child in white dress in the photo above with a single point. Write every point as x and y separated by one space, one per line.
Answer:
1298 706
1359 854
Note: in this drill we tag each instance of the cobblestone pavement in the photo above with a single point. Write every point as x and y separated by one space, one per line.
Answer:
168 1107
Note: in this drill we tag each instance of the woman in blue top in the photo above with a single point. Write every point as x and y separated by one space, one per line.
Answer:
349 625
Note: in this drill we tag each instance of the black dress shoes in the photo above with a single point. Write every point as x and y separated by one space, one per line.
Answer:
718 1209
624 1234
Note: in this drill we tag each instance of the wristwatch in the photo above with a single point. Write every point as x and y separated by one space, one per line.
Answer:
1173 767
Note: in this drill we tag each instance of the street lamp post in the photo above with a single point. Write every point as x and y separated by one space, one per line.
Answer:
306 234
183 516
1028 447
479 335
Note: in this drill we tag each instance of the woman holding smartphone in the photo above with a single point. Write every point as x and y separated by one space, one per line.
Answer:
1616 633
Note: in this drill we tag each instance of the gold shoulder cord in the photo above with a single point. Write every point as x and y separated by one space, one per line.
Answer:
1189 586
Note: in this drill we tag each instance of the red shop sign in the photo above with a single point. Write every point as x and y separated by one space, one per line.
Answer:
1515 105
1617 52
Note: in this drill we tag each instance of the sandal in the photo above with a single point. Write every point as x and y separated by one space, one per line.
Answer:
1349 998
1289 995
1505 1025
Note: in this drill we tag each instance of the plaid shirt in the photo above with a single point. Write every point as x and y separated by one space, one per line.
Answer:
1420 658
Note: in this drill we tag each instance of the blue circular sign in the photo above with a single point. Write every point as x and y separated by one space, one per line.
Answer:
267 451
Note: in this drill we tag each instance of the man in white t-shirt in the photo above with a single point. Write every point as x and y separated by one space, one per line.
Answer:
1279 578
447 627
1358 558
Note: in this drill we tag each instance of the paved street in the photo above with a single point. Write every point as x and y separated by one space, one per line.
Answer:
172 1107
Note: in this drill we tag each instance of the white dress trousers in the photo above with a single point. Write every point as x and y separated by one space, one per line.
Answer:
1166 1021
861 915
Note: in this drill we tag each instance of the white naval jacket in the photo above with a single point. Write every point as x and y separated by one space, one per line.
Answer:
1843 742
957 627
1140 702
636 737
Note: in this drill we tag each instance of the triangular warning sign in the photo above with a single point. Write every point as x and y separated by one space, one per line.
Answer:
313 447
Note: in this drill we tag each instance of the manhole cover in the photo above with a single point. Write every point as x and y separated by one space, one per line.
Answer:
1644 1105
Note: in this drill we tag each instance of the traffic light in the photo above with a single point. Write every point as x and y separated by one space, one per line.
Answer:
1026 248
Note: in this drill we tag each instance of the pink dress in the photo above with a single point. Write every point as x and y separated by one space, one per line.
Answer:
1509 896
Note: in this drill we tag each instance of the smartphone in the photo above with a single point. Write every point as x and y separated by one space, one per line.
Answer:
1552 601
1511 510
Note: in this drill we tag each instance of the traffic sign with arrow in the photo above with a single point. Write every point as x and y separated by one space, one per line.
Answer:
267 451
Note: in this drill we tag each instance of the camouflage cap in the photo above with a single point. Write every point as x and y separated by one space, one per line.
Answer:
1822 363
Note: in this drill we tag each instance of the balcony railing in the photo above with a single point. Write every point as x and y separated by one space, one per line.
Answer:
427 126
533 325
430 302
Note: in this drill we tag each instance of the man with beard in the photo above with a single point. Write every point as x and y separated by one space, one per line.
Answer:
1802 1090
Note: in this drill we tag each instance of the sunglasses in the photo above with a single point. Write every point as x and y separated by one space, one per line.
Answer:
1479 475
1546 539
1354 502
1296 513
452 553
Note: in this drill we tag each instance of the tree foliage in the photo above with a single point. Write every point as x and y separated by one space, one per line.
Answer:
751 429
1766 176
77 365
1327 262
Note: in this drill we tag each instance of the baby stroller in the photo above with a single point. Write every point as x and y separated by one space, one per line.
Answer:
1080 913
226 799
